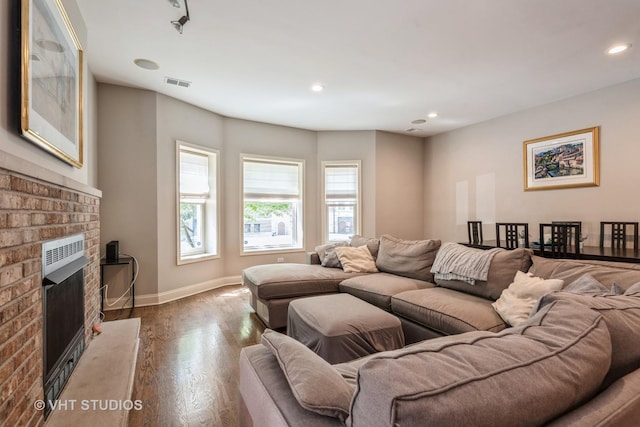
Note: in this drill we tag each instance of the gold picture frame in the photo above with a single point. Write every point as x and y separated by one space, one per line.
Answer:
566 160
51 114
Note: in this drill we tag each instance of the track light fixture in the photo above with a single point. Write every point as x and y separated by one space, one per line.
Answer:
179 24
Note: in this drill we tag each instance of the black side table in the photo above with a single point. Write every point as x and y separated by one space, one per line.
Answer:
122 260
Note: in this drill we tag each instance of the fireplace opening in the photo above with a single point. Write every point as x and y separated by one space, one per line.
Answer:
63 261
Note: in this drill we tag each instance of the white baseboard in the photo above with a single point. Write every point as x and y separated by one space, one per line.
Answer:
175 294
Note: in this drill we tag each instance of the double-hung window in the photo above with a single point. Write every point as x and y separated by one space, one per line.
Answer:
272 204
198 202
341 203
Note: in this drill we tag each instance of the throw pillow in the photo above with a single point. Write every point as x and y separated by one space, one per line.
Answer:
517 301
586 284
633 289
372 243
408 258
316 385
328 256
326 253
356 260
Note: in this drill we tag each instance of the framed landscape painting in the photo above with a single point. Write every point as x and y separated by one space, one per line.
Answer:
51 113
566 160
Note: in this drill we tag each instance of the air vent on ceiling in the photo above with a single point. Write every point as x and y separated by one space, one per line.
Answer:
176 82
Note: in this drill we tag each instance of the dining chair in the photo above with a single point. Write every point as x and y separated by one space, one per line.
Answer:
564 240
511 231
618 233
474 229
578 223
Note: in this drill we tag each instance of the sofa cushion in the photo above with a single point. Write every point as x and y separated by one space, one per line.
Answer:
408 258
316 385
356 260
502 270
377 289
516 302
447 311
372 243
526 375
622 316
286 280
623 274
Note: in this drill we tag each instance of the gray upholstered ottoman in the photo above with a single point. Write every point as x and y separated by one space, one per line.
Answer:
341 327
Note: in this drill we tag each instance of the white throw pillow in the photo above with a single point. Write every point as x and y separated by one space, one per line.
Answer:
356 260
515 302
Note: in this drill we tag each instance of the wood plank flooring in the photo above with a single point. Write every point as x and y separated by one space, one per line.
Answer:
187 372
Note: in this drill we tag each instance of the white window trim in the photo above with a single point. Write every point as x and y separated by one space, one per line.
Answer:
207 254
323 197
302 162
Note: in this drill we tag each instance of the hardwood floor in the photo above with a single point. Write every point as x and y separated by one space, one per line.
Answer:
187 372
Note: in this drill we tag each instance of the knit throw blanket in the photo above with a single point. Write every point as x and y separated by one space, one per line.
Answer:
458 262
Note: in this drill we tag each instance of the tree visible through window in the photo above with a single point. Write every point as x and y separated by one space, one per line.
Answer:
197 213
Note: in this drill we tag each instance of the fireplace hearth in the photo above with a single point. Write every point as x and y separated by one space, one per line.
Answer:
63 264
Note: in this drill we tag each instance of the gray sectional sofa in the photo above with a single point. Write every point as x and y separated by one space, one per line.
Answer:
574 362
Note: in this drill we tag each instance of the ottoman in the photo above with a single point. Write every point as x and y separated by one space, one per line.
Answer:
341 327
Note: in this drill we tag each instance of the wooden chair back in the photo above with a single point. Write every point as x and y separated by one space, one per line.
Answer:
564 241
619 233
474 229
509 233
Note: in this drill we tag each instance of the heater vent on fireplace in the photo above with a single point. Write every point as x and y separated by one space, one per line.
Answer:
60 252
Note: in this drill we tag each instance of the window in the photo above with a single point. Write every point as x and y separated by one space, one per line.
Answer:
272 204
341 192
198 202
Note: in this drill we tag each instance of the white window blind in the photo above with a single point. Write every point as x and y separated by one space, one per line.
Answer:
341 183
194 173
271 180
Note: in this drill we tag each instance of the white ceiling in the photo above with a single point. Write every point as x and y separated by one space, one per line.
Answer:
383 63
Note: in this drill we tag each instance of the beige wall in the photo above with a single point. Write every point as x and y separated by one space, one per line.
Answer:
128 178
495 148
399 185
355 145
246 137
10 142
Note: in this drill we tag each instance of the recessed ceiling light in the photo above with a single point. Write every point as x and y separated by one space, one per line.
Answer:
317 87
432 115
418 121
618 48
147 64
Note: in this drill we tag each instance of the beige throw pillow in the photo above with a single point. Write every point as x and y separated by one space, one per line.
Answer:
517 301
356 260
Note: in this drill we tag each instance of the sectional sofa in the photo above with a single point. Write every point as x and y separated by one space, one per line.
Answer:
575 361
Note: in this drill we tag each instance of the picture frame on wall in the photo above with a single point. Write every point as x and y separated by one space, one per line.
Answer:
51 113
566 160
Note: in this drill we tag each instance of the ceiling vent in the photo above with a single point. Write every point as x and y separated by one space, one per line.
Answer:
176 82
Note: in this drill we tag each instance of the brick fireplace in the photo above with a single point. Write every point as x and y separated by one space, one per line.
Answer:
32 212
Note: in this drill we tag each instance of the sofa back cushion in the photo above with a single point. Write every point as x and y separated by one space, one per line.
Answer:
408 258
553 362
622 274
502 271
621 313
372 243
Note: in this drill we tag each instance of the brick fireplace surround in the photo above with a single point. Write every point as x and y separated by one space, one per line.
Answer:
33 211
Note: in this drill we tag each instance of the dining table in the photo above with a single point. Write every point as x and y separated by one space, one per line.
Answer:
596 253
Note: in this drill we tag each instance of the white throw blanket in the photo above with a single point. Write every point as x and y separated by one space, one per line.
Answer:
458 262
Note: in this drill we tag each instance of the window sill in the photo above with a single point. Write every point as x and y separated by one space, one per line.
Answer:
272 251
197 258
